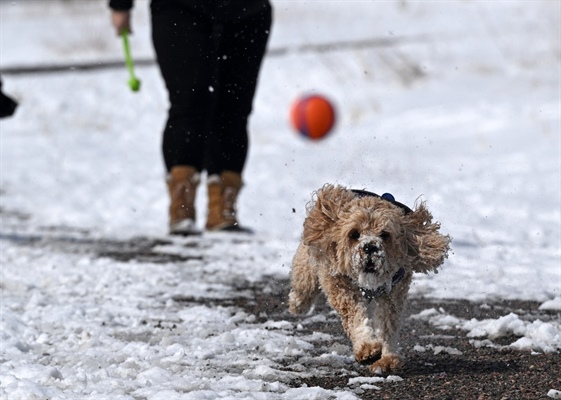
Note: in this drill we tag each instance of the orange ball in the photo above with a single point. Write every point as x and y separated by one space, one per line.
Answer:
313 116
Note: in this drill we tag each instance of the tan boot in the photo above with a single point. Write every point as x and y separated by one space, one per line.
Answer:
222 198
231 186
214 216
182 186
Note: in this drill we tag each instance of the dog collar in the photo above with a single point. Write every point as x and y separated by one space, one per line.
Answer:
371 294
386 196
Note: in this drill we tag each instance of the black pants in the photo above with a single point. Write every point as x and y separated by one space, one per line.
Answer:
209 53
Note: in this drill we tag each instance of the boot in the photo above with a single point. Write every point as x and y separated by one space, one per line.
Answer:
182 186
223 193
214 216
231 186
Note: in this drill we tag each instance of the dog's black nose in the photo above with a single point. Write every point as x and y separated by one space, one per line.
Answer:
370 248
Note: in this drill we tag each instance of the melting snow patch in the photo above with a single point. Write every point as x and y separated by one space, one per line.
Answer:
317 393
482 343
425 315
281 325
367 386
536 335
364 379
438 349
437 318
509 324
367 383
552 305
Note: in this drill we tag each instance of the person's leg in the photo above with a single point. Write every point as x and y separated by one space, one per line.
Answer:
241 47
183 44
185 53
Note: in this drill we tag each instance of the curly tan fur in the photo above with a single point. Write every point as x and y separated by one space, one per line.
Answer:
353 244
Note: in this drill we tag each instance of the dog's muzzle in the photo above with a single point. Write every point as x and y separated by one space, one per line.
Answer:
375 257
371 294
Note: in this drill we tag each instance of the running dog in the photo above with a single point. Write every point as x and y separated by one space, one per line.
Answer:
361 250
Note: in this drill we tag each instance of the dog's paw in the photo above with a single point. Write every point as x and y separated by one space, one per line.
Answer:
388 363
296 308
296 305
368 352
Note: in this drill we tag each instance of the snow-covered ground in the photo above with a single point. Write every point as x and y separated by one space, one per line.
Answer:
457 102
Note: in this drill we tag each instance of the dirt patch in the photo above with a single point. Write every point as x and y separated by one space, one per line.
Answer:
476 373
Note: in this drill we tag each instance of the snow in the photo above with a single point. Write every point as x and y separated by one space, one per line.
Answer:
554 394
553 304
438 349
367 383
457 102
375 379
532 335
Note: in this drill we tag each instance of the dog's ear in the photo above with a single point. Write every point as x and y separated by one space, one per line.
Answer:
426 246
322 212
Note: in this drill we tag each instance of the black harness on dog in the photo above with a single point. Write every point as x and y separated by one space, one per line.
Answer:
386 196
371 294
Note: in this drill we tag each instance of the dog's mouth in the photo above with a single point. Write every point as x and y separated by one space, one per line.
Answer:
370 266
373 265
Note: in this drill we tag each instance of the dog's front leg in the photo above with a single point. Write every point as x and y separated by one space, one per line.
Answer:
387 318
345 298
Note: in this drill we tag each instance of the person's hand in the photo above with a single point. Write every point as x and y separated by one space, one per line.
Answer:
121 21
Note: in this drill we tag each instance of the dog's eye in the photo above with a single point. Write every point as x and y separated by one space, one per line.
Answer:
384 235
354 234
